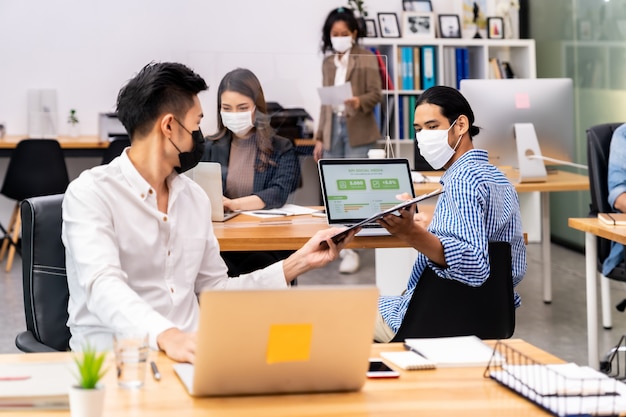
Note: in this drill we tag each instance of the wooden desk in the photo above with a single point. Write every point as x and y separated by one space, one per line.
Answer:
557 181
243 233
304 142
78 146
595 228
441 392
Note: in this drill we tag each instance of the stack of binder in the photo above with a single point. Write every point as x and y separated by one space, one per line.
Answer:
417 67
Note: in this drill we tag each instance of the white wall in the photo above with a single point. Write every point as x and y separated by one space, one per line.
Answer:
87 49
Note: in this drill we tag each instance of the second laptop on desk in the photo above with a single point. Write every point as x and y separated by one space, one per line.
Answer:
208 175
355 189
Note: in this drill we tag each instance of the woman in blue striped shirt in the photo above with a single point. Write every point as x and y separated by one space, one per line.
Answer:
479 205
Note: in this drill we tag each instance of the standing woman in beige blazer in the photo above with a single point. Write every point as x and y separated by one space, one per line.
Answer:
348 130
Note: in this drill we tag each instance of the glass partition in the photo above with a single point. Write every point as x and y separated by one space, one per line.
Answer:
283 84
583 40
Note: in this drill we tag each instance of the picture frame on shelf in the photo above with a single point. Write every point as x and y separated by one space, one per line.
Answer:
417 5
370 28
449 26
388 24
495 28
418 24
473 14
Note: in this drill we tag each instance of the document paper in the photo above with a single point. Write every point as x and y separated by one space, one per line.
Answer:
335 95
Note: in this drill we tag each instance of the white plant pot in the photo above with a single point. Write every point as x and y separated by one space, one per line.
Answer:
86 402
73 130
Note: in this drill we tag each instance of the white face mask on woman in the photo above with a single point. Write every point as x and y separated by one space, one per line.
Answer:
433 145
239 123
341 43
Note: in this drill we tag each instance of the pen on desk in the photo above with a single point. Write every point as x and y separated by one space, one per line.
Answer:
408 347
14 378
155 371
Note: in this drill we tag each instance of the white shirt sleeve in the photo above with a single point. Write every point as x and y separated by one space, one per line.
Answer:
213 270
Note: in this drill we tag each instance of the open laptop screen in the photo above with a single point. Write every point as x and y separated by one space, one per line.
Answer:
355 189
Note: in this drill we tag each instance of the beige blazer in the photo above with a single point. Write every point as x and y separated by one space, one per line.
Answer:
364 75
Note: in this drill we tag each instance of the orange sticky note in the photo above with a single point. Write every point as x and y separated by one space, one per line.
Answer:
289 343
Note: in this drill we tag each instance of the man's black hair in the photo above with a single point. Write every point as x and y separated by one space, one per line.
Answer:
164 87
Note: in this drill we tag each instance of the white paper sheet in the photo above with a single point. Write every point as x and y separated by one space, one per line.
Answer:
335 95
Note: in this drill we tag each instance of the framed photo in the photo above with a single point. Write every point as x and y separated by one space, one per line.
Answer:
449 26
388 24
370 28
495 28
473 20
418 25
417 6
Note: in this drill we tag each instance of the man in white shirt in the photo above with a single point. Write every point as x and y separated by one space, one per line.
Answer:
138 236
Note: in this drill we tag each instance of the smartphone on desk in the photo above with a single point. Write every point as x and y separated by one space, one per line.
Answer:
378 369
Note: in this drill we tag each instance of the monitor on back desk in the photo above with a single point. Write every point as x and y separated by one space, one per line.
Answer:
508 110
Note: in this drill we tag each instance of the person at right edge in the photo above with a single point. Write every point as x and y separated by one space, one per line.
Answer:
617 192
349 130
478 205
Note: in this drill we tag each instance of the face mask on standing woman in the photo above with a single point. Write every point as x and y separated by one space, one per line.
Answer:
341 43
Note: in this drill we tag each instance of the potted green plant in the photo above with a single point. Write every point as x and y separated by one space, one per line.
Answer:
87 396
359 7
73 122
360 13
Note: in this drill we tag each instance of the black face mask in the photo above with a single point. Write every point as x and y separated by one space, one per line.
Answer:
190 159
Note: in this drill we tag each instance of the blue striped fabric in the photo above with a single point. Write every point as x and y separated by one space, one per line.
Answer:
479 205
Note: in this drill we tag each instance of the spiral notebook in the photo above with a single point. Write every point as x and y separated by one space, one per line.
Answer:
408 360
454 352
613 219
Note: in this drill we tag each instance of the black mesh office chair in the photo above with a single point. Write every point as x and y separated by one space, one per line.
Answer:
116 146
598 148
444 307
43 276
37 167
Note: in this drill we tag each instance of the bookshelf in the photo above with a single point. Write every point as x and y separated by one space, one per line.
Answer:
452 60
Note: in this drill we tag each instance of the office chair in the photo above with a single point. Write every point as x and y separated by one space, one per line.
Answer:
37 167
116 146
598 148
443 307
43 276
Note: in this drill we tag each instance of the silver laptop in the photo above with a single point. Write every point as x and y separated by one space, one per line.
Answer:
304 339
208 175
355 189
